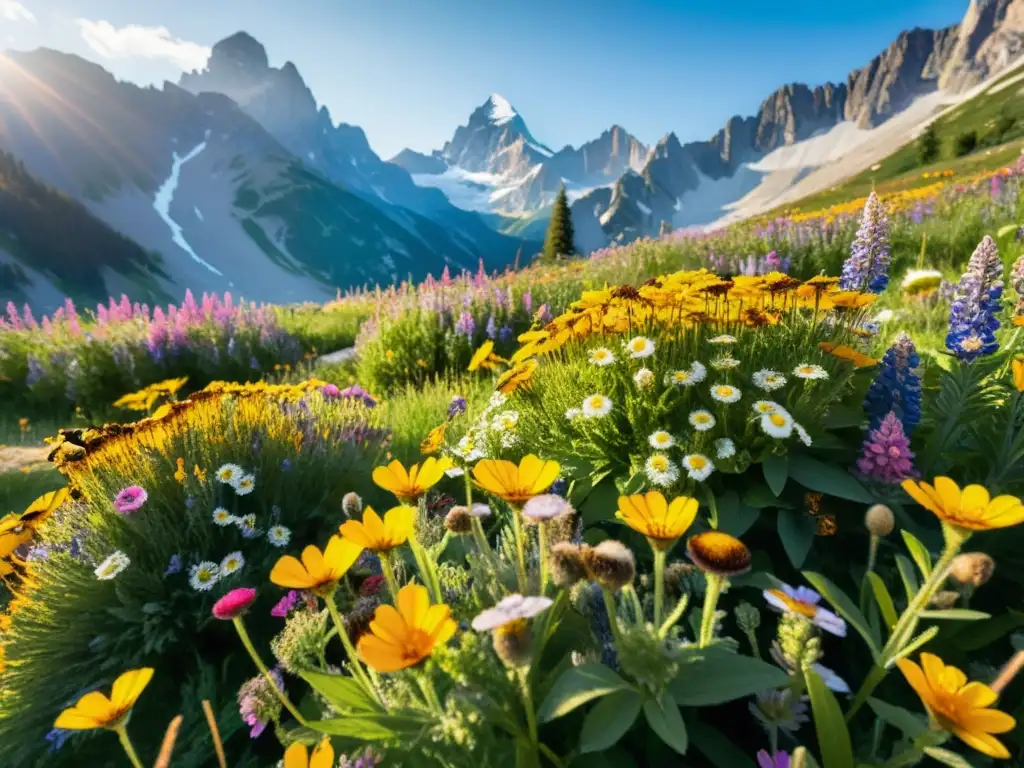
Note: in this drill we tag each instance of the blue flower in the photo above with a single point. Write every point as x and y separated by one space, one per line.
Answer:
57 737
456 406
174 566
897 387
972 316
505 334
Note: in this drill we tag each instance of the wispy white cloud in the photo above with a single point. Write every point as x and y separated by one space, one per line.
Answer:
11 10
135 42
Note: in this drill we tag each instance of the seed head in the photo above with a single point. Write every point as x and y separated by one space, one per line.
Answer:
459 521
611 564
568 563
352 505
972 568
879 520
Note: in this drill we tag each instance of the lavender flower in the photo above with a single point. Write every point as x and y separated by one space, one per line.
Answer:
57 737
355 392
779 760
174 566
286 604
886 455
492 328
466 325
972 317
456 407
258 704
897 387
867 268
367 758
1017 281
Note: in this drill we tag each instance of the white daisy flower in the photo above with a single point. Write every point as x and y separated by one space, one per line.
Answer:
222 517
203 576
572 413
279 536
640 346
509 439
229 474
602 356
809 371
725 448
680 379
802 433
247 525
231 563
778 424
467 450
497 400
883 317
768 380
596 405
698 371
724 363
702 420
661 440
725 393
644 378
723 339
245 485
112 566
660 470
761 407
455 472
698 466
506 420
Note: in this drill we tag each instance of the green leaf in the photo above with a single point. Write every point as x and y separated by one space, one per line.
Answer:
827 478
910 724
884 600
664 718
918 551
734 517
1006 229
796 530
776 470
908 576
956 614
944 756
720 676
761 496
609 721
844 607
718 748
368 727
988 631
601 503
840 418
913 645
634 485
578 685
833 738
344 693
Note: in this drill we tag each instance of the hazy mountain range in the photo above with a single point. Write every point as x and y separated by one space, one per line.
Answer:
235 179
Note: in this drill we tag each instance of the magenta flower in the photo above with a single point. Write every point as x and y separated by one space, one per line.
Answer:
330 390
234 603
886 455
285 605
358 393
780 760
130 499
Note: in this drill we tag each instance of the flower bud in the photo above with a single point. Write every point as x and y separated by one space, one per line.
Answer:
879 520
513 642
352 505
459 521
611 564
644 379
972 568
677 577
567 563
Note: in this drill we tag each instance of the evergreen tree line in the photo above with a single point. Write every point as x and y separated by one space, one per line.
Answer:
60 237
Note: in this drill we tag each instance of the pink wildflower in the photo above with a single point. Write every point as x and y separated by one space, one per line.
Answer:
234 603
886 453
130 499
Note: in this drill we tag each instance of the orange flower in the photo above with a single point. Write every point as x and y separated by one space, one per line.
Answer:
317 572
516 485
434 440
95 710
380 535
402 638
972 509
959 706
516 376
844 352
1018 373
409 486
297 755
481 355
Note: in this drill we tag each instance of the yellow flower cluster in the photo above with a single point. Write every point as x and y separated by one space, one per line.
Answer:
19 529
144 399
682 300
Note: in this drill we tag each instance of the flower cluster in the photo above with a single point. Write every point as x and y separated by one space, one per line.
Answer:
897 386
867 268
972 316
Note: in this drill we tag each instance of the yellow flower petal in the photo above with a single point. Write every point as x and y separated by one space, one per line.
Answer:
129 686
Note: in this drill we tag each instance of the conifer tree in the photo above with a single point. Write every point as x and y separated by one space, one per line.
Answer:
928 145
558 240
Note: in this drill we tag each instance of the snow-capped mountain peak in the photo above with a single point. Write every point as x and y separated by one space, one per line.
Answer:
501 110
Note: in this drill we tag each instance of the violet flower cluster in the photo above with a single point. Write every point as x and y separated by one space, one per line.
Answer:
867 268
972 316
886 455
258 705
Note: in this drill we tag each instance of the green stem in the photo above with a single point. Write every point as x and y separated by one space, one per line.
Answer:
350 651
542 554
247 642
429 692
481 540
389 575
613 616
531 716
126 743
659 585
713 509
707 619
517 530
555 759
427 570
872 553
674 617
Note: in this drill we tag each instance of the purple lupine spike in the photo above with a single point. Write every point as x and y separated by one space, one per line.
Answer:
867 268
886 455
1017 281
972 315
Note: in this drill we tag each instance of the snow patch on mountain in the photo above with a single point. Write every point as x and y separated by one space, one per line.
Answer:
501 109
165 196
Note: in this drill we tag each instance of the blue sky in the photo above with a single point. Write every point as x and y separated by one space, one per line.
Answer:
410 71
